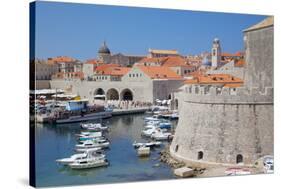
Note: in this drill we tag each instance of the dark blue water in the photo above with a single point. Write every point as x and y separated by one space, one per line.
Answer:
58 141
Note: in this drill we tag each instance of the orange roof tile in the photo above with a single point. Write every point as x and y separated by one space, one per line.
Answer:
174 61
215 79
240 63
159 72
93 61
116 71
101 68
152 60
59 59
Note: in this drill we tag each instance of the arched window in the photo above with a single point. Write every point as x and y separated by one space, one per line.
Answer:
239 158
200 155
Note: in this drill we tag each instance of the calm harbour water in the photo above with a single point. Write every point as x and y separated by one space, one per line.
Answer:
58 141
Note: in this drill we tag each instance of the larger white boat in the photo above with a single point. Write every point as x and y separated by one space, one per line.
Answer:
89 163
89 153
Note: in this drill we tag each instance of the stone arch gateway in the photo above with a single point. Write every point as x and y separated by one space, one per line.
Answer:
112 94
126 94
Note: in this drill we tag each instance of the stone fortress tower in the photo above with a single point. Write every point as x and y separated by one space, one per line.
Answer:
230 126
104 54
216 53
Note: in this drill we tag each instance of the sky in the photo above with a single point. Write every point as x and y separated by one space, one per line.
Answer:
78 30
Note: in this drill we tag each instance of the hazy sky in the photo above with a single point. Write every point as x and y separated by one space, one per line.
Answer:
78 30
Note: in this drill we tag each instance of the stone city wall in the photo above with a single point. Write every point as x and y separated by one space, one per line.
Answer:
223 125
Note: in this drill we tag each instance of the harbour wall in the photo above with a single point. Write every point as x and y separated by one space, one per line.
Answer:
216 126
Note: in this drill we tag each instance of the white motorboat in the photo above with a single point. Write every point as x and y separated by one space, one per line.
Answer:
149 131
150 127
160 135
90 134
88 153
94 126
93 144
155 122
71 159
147 144
153 118
89 163
97 149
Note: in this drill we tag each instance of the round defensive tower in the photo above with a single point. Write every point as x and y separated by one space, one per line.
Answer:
230 126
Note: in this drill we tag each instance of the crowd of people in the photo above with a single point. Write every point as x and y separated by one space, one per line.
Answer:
126 104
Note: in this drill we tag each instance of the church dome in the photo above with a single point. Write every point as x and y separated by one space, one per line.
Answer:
104 49
216 40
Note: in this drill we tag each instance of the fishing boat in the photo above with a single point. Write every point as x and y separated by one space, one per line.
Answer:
89 163
93 144
147 144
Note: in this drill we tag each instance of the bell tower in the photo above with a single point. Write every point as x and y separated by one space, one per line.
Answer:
216 53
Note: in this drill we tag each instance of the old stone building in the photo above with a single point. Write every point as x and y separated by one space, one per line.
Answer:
230 125
105 56
139 83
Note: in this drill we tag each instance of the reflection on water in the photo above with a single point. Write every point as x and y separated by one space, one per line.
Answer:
58 141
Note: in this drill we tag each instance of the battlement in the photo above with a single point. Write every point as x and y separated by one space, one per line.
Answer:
228 95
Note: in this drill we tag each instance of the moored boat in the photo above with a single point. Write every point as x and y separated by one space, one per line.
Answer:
89 163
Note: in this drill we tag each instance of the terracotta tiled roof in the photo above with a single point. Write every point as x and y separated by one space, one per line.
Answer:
93 61
211 79
152 60
116 71
174 61
232 55
159 72
240 63
59 59
103 67
226 54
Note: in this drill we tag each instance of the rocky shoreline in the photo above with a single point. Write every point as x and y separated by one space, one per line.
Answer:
165 157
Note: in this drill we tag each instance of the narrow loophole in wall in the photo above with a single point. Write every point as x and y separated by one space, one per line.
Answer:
239 158
200 155
177 148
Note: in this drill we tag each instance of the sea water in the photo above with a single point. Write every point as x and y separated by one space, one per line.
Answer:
58 141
